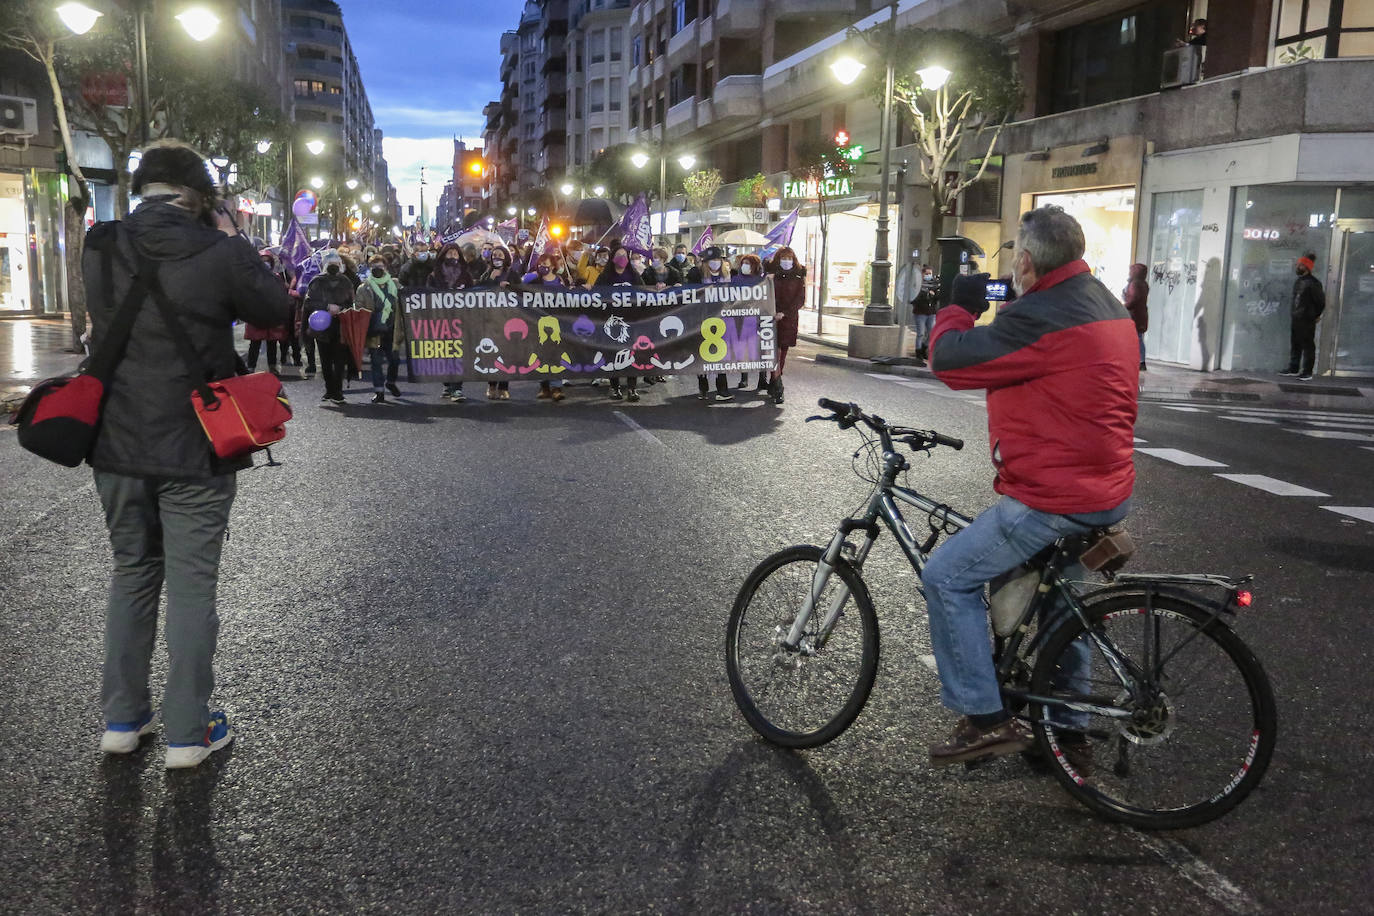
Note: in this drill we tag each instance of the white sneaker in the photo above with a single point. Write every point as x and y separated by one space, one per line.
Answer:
123 737
218 734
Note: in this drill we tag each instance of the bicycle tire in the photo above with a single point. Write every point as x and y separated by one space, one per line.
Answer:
1108 791
859 658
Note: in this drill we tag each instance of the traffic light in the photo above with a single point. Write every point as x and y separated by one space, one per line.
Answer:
556 230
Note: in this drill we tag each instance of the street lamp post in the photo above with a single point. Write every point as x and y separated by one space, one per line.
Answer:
641 159
198 22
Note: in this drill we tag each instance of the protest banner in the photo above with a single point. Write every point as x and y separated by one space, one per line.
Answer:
536 333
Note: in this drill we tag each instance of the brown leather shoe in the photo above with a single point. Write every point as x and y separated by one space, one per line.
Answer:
968 742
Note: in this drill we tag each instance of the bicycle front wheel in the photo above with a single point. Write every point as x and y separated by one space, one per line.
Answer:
1195 724
807 695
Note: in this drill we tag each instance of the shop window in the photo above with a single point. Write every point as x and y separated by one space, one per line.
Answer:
1108 218
1175 241
1314 29
1273 226
983 198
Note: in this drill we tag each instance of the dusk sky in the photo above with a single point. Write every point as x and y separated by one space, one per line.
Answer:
428 69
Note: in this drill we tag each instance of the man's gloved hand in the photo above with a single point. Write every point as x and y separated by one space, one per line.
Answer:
970 293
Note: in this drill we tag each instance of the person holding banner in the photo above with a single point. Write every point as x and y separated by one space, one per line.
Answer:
678 267
620 273
748 272
789 292
546 274
717 272
499 274
475 266
450 273
656 274
380 295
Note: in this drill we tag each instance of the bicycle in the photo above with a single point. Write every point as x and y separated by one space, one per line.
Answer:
1173 701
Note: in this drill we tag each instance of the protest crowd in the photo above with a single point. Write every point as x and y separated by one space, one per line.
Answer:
347 318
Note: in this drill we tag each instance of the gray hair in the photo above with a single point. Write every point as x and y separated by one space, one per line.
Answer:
1052 237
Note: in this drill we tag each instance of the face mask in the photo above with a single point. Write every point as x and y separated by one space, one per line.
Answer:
452 263
332 268
379 272
679 257
638 264
620 261
746 269
498 263
423 256
714 265
486 255
543 271
601 260
658 264
785 264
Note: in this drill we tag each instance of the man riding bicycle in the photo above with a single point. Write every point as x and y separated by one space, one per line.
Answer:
1060 366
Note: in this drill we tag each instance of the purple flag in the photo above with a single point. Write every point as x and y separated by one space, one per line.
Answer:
780 236
296 251
706 238
507 230
635 233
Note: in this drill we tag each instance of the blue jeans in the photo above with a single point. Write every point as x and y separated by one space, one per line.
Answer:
922 326
1001 538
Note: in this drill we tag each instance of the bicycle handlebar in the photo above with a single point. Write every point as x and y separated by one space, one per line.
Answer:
849 414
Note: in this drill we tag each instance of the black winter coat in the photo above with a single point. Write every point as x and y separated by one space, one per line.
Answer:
1309 299
148 427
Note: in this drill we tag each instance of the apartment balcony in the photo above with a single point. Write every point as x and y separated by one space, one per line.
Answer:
805 9
309 66
322 37
734 100
736 18
683 46
333 103
555 63
1317 96
681 117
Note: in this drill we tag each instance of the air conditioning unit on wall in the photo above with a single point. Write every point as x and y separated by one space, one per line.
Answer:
18 117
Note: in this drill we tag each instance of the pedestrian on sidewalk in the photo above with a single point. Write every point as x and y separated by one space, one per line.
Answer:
331 291
166 495
1061 470
1309 301
715 270
380 294
789 293
1136 298
923 306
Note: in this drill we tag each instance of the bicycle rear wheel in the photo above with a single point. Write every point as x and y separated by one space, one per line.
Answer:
806 696
1198 739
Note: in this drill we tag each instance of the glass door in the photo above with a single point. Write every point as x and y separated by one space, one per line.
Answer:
14 254
1353 311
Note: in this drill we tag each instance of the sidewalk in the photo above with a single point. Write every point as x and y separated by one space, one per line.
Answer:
1169 383
31 349
833 333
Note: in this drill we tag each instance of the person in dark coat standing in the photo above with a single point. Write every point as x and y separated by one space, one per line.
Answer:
619 273
789 293
1309 301
166 495
331 291
1136 297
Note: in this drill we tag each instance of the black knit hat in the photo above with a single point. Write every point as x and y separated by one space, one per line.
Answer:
970 291
172 162
711 254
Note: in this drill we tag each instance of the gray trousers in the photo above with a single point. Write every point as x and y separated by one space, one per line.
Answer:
163 529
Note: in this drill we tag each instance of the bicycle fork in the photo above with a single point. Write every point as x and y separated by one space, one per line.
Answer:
824 569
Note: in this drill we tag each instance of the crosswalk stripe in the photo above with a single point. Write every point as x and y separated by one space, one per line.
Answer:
1266 420
1341 435
1363 513
1271 485
1183 409
1187 459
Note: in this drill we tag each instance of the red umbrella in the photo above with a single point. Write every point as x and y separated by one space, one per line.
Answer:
353 325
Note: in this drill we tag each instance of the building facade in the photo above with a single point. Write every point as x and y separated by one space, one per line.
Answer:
598 94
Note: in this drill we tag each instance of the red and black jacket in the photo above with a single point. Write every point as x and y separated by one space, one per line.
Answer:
1061 367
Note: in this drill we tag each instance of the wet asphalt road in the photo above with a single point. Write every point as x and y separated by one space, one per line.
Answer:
474 654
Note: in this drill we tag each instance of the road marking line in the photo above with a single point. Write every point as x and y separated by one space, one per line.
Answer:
1267 420
1367 392
1363 513
1270 485
637 428
1215 885
806 359
1183 409
1298 414
1347 424
1187 459
1137 440
1332 434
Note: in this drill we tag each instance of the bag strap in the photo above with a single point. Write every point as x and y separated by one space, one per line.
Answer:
200 376
116 338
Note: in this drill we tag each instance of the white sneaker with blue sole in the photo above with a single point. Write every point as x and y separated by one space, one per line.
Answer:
123 737
218 734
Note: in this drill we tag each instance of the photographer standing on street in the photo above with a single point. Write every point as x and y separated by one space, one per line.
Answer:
165 493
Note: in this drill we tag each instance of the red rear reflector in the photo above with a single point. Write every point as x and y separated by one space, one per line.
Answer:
1244 598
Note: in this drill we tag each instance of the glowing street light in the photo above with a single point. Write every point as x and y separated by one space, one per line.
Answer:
352 184
315 147
510 211
264 146
78 17
933 77
640 159
567 188
531 211
198 22
317 182
598 190
367 198
687 160
376 208
847 69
